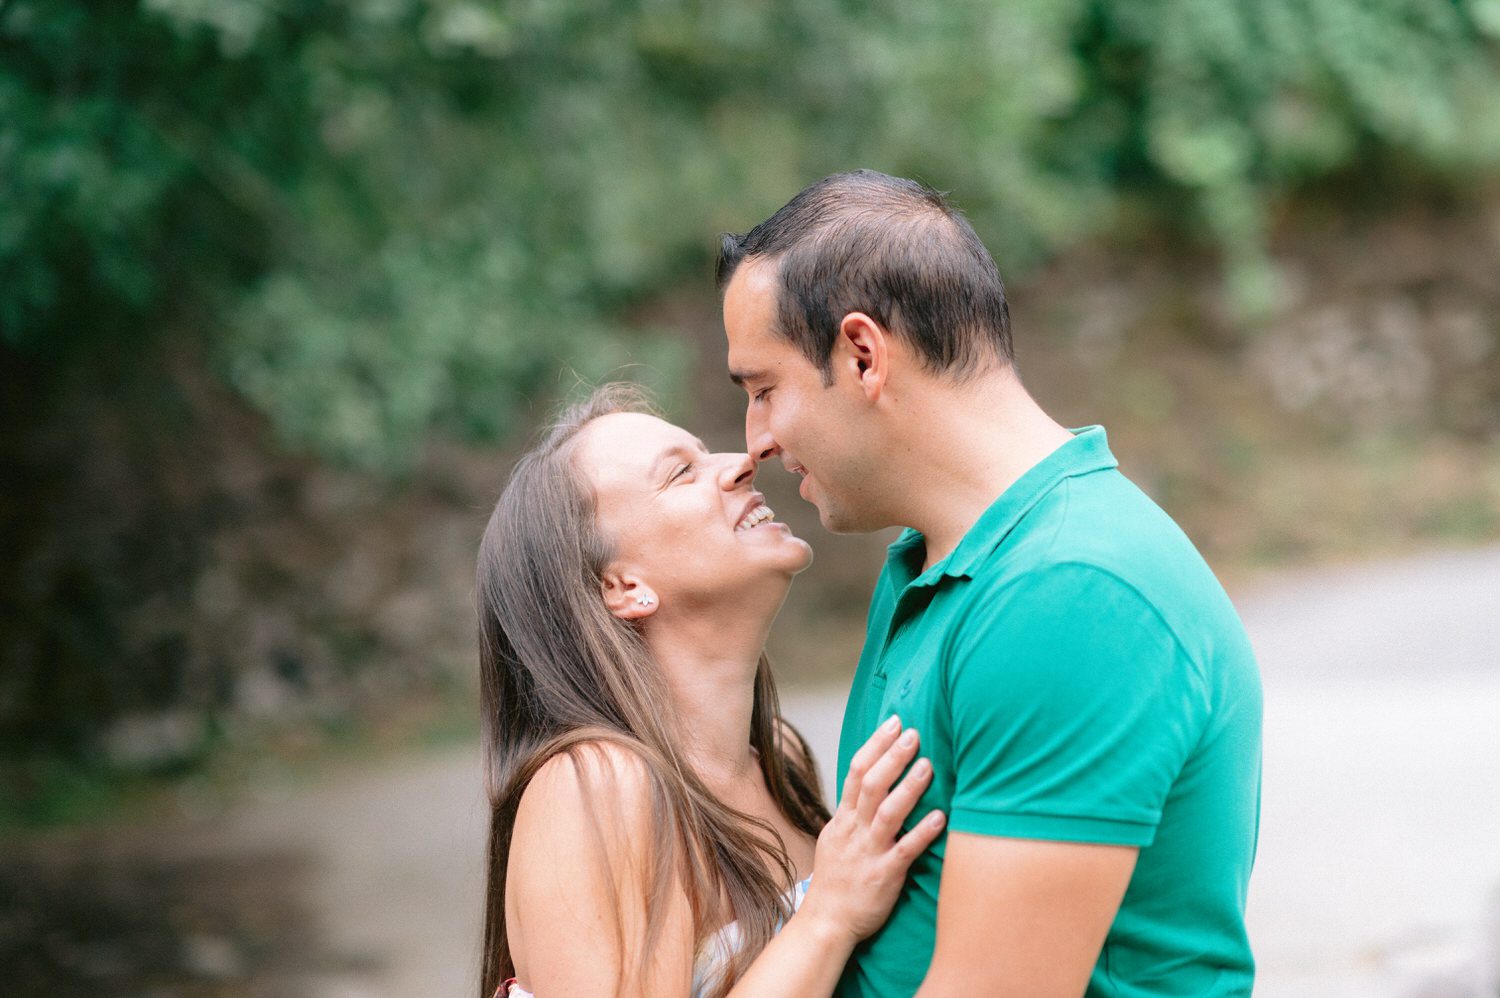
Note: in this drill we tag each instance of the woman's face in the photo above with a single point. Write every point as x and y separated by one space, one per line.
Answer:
687 525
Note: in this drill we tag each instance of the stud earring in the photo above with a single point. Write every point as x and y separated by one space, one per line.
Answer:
645 600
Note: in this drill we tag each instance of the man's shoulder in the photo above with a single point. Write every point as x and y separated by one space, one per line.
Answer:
1101 546
1103 524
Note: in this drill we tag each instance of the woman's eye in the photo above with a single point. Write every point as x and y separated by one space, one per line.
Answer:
680 472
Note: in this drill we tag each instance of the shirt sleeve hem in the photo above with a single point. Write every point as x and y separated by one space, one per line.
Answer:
1052 827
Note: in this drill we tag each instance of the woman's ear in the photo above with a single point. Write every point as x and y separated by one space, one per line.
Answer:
861 348
628 597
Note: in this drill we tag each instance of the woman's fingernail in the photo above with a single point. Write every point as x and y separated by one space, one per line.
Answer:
935 818
924 768
910 738
891 724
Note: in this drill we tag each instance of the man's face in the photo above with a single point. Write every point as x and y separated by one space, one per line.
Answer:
790 413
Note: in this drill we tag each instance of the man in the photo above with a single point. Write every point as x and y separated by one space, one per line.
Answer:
1080 681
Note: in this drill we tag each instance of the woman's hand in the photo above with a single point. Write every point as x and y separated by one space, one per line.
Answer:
858 869
860 865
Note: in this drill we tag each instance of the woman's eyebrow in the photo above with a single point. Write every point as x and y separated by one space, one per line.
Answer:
663 456
676 450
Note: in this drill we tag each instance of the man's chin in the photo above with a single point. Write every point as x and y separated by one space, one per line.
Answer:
838 521
837 518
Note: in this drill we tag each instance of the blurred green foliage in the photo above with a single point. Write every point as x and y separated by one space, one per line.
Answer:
386 217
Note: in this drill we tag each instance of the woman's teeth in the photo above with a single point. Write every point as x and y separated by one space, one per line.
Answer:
759 514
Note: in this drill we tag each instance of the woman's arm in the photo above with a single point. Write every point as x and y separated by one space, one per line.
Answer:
578 878
859 867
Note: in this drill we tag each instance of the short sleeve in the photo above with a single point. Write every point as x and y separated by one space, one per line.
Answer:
1073 710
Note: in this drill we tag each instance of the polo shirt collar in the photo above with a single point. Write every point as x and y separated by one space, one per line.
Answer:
1087 452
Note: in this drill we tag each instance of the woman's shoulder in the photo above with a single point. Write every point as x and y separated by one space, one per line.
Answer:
595 795
609 765
581 885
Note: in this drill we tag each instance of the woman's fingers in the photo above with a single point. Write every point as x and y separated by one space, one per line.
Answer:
898 804
871 751
922 835
874 810
877 780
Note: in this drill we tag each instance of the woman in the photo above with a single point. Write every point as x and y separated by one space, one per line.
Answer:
654 820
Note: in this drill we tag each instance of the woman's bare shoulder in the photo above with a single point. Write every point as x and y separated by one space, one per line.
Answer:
578 844
579 876
594 797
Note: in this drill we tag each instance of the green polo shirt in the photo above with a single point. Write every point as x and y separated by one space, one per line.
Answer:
1077 674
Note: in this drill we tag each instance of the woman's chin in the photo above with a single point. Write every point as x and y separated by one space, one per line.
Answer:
806 558
792 553
794 558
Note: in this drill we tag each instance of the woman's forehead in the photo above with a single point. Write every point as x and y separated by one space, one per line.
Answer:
625 447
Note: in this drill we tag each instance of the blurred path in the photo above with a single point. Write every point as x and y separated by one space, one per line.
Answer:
398 862
1380 835
1380 838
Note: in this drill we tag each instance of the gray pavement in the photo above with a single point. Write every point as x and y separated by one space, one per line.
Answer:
1380 835
1379 856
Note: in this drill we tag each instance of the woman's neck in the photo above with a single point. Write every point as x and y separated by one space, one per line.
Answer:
710 660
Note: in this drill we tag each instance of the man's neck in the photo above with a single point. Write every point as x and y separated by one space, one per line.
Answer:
968 444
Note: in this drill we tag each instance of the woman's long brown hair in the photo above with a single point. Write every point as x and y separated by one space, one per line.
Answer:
561 674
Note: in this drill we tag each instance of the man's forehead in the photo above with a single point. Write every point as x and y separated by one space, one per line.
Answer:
749 317
753 289
759 275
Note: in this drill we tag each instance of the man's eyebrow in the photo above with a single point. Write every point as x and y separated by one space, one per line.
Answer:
740 377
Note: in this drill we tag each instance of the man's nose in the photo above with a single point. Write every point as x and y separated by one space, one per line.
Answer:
758 440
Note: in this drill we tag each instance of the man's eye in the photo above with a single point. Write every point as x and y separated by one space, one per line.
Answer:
760 395
680 472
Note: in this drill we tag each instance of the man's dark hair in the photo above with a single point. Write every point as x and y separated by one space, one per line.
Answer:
891 248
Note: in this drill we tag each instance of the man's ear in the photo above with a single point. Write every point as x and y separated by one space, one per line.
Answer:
863 350
627 597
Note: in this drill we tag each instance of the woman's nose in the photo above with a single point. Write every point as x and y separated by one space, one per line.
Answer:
739 471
